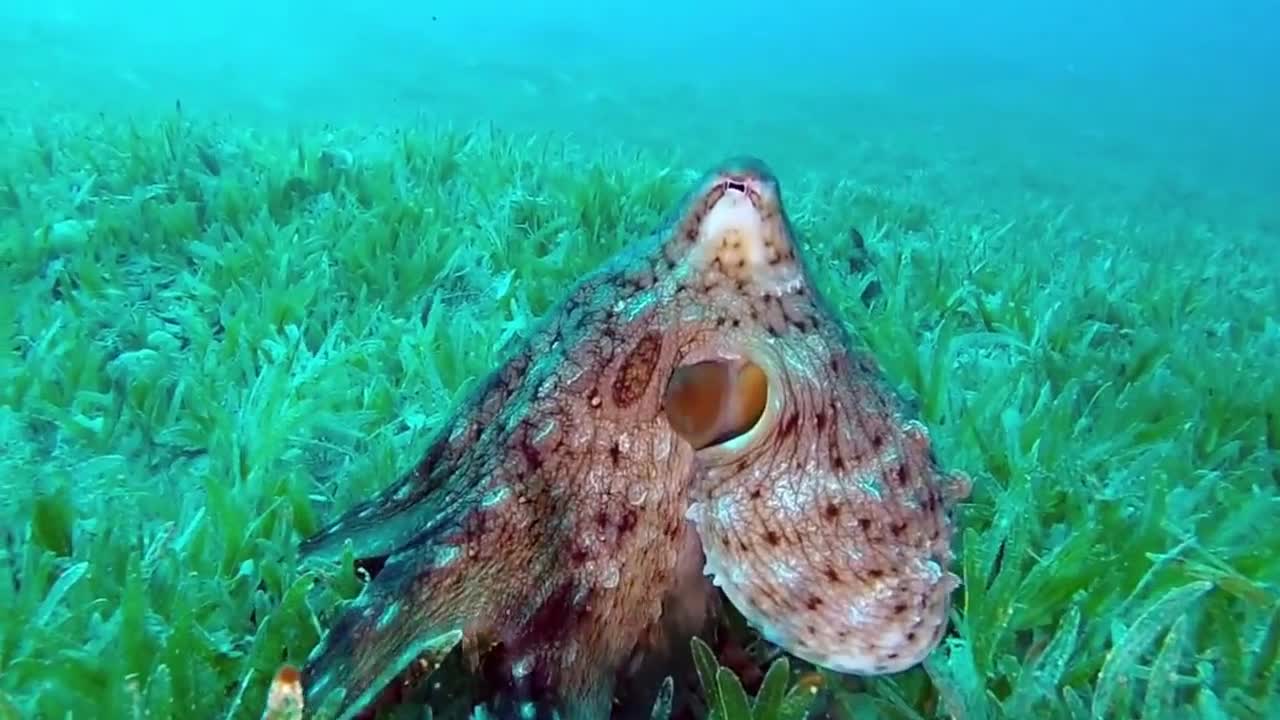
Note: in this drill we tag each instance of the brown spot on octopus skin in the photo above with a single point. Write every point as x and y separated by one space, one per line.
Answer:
636 372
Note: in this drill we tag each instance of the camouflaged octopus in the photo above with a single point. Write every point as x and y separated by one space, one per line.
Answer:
691 416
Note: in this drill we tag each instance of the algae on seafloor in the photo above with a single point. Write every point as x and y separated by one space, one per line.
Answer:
246 332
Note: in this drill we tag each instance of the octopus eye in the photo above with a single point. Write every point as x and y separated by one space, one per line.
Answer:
712 402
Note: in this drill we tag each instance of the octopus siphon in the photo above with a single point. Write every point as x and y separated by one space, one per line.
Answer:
690 425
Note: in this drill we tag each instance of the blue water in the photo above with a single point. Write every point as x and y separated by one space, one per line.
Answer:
1122 92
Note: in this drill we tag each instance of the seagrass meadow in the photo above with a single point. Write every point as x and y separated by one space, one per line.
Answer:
218 331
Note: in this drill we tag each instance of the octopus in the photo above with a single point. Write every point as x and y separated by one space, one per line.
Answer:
690 425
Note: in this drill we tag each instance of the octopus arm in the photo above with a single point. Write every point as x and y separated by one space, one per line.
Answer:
378 636
443 579
458 583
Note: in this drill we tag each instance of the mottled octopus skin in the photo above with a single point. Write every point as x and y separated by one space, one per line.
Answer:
551 516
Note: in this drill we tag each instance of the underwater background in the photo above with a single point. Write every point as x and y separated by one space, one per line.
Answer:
252 253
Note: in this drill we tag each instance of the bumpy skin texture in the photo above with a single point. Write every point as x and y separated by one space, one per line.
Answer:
551 523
